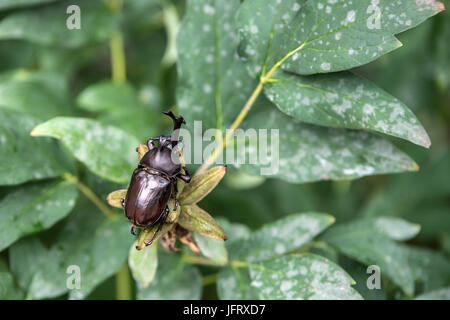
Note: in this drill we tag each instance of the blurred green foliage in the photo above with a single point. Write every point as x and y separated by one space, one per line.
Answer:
48 71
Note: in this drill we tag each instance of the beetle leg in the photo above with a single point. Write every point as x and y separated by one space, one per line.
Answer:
161 223
150 144
175 186
132 230
185 177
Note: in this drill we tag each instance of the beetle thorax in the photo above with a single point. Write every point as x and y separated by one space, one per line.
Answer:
161 159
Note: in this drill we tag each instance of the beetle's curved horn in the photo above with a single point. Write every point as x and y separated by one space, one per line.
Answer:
177 121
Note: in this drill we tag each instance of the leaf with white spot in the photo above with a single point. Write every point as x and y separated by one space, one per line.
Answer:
441 294
318 36
213 83
8 288
8 4
369 242
107 151
395 228
47 25
213 249
98 246
39 94
143 264
104 96
234 284
16 146
344 100
33 208
311 153
174 280
280 237
301 277
233 230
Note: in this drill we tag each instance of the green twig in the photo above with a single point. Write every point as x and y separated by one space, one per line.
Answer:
209 279
123 284
265 77
118 66
201 260
90 195
119 75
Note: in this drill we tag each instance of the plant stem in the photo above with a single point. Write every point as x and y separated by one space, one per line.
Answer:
90 195
201 260
209 279
248 105
123 284
119 76
118 65
237 122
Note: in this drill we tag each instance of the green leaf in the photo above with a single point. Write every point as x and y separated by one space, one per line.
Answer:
201 185
431 269
107 151
115 198
98 246
47 160
344 100
233 230
194 218
138 121
47 25
373 248
215 92
201 96
212 248
316 37
394 228
40 94
174 281
280 237
441 294
107 95
240 181
8 4
301 277
310 153
143 264
33 208
101 256
37 270
404 265
234 284
25 257
442 52
8 289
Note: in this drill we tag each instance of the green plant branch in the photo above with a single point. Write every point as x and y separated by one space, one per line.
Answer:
119 76
201 260
265 77
90 195
123 284
117 58
209 279
118 64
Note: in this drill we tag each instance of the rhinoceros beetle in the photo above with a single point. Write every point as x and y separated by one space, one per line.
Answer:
153 181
